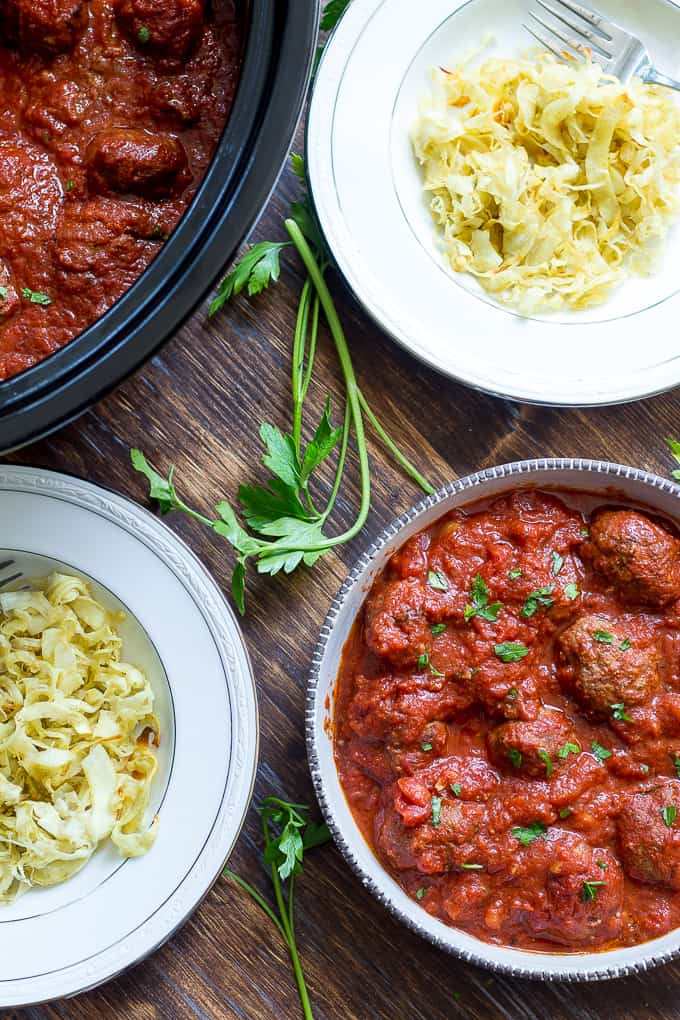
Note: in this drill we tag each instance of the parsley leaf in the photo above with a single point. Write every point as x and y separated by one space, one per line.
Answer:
515 757
625 644
542 597
333 11
676 765
527 834
545 758
437 629
472 867
564 812
602 865
604 637
669 814
571 591
3 293
437 580
35 296
426 747
255 270
160 489
600 752
144 35
558 562
436 805
589 891
511 651
674 446
297 165
456 789
515 573
569 748
420 892
479 594
324 441
619 712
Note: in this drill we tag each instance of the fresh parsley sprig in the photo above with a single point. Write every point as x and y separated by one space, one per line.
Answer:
283 525
288 833
674 447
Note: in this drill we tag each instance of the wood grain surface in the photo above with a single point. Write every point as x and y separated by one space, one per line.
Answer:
199 403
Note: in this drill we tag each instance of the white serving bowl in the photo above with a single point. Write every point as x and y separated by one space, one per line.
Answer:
598 477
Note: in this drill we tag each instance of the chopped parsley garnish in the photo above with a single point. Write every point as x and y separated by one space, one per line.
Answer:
473 867
3 293
515 573
557 562
527 834
565 812
644 766
542 597
426 747
437 629
436 803
437 580
420 892
479 605
569 748
515 757
456 789
589 891
571 591
584 533
545 758
513 693
604 637
511 651
69 185
602 864
600 752
619 712
676 765
424 663
669 814
144 34
625 644
35 296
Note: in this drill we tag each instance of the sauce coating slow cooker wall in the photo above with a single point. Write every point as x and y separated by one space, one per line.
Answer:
280 45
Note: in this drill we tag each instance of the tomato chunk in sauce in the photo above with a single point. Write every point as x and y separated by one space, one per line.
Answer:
507 721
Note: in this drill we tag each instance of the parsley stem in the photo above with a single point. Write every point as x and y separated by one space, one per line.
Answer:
299 345
338 335
341 464
260 900
312 346
394 449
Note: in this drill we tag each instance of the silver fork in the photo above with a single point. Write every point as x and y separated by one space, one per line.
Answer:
593 36
5 565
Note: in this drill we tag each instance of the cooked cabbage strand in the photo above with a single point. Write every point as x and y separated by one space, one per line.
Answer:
76 734
551 182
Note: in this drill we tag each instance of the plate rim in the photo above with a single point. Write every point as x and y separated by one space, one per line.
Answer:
28 479
319 170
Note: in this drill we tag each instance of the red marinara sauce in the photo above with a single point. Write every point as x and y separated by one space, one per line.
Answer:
507 722
110 112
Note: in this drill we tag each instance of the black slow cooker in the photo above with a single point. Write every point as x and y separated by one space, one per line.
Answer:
279 49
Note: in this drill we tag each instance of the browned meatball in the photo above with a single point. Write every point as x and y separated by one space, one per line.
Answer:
168 27
605 668
51 26
639 557
530 747
130 160
583 900
649 835
9 297
395 625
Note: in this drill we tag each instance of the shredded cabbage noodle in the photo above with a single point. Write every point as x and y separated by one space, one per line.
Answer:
77 736
550 181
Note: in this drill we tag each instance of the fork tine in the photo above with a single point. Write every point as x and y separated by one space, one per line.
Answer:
8 580
5 564
598 21
594 39
545 41
562 36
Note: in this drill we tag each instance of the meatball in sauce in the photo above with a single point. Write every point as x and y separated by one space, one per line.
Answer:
507 722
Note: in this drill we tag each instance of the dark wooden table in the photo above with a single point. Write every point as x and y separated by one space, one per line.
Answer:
199 403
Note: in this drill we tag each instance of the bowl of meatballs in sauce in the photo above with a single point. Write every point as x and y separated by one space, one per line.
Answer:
493 718
139 140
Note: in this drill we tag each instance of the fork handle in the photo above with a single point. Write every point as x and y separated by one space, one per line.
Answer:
651 76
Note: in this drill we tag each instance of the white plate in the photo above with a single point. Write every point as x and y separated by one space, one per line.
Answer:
180 630
368 195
